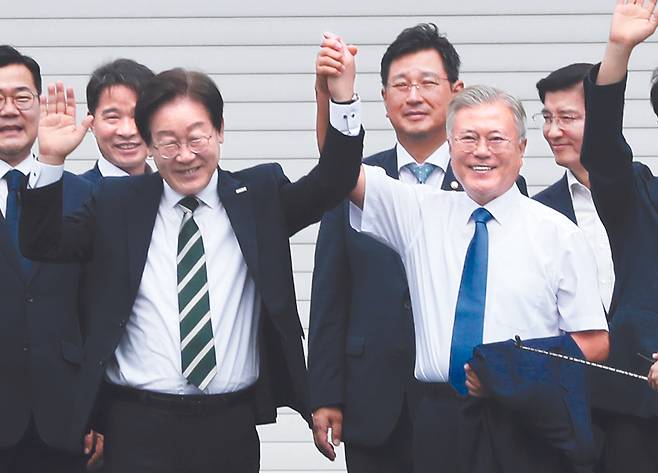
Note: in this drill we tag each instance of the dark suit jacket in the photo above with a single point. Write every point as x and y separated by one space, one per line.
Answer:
626 197
94 175
40 340
361 338
558 197
113 232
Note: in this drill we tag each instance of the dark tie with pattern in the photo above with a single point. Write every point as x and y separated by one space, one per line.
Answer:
469 314
15 180
198 360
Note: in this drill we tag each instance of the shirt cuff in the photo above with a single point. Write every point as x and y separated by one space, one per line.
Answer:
346 118
44 174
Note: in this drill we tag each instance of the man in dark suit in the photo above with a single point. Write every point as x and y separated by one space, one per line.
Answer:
112 93
192 312
361 340
40 334
562 121
626 197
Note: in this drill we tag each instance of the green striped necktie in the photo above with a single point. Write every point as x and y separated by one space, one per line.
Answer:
197 343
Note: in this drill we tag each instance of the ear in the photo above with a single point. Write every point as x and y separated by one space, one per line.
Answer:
220 133
93 123
384 95
457 86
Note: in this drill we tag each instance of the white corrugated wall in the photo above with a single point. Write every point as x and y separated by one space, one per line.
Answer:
261 55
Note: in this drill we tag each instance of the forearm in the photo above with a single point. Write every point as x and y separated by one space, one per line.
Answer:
595 344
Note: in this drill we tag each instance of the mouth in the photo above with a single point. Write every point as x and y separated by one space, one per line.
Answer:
129 146
481 168
11 129
189 172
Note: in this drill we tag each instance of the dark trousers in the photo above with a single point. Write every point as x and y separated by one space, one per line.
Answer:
393 456
629 443
452 434
161 433
32 455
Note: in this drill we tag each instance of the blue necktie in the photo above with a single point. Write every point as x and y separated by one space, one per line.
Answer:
421 171
15 180
469 314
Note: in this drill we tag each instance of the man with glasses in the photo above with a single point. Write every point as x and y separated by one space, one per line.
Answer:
562 121
483 266
192 310
41 349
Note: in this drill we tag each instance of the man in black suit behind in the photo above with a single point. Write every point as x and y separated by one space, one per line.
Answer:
206 330
626 196
40 335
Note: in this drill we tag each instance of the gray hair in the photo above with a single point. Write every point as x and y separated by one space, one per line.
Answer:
483 94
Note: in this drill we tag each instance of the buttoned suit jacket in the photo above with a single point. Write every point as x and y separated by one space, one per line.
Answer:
626 197
361 334
113 233
558 197
94 175
40 339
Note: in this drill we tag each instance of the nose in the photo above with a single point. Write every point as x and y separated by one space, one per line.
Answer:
185 155
414 94
127 127
481 149
9 108
552 130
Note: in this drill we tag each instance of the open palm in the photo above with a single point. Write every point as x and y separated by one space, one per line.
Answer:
59 133
633 21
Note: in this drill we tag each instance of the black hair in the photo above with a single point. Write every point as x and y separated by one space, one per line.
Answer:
418 38
10 56
124 72
563 78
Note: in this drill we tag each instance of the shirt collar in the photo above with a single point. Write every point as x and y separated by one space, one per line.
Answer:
108 169
208 195
440 157
575 185
26 166
502 208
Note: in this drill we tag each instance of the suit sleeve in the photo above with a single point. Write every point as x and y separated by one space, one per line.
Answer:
330 296
45 235
605 153
306 200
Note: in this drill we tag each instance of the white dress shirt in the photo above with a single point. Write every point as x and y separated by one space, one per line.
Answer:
149 355
440 158
541 272
590 223
107 169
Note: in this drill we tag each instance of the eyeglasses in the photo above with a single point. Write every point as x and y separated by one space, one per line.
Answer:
469 143
22 100
426 86
563 122
172 149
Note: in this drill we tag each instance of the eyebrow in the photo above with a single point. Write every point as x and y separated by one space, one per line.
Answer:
23 88
561 111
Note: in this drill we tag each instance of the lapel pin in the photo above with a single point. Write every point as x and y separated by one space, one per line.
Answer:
240 190
454 185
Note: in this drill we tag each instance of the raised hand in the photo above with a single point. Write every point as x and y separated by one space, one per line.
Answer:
59 133
633 21
335 61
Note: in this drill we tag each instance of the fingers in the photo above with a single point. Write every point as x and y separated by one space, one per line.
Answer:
95 461
336 433
89 442
59 100
320 437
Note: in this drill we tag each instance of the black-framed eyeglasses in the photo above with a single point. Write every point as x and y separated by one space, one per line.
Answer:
23 100
172 149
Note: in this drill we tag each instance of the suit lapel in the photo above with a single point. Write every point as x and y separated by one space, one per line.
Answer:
563 202
236 197
141 208
390 163
450 182
9 250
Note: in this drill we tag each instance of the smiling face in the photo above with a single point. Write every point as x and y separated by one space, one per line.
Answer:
419 115
181 121
486 174
115 130
565 140
18 128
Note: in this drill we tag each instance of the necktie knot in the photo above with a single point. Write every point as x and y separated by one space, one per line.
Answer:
189 204
421 171
14 179
481 215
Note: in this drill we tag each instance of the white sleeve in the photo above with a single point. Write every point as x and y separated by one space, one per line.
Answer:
391 210
44 174
578 298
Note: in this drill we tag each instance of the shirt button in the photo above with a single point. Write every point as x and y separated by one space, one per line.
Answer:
29 299
407 305
454 185
26 349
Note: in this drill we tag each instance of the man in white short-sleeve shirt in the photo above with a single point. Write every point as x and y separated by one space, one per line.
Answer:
541 276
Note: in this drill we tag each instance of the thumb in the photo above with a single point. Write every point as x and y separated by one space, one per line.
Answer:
84 125
336 432
352 49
